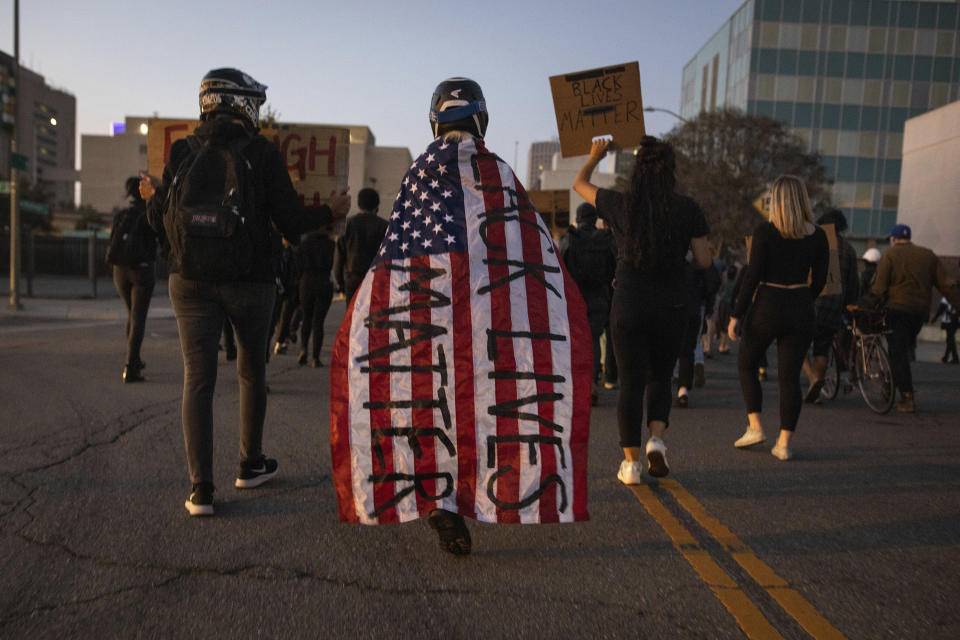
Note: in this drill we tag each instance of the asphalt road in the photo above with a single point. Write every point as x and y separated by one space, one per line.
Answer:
857 537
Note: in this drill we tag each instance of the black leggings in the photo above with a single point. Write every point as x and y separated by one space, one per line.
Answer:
316 293
646 339
787 316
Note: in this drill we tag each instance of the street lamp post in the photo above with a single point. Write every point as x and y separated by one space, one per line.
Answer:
675 115
14 302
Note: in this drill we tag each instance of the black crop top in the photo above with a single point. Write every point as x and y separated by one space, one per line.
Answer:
783 261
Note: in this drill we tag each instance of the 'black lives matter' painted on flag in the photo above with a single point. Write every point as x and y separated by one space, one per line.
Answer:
461 373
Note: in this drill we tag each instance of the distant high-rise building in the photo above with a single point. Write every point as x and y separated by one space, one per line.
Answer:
46 124
539 158
845 75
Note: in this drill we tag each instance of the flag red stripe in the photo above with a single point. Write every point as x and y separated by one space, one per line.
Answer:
423 385
581 369
507 488
340 421
462 389
379 384
538 312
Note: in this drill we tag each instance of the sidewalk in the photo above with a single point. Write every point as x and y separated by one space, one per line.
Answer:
71 298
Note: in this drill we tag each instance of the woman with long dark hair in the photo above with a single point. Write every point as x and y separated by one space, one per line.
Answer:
787 271
653 227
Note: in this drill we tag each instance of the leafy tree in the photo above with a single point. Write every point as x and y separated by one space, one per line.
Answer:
727 159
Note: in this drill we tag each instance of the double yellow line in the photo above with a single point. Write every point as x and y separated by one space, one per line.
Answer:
724 587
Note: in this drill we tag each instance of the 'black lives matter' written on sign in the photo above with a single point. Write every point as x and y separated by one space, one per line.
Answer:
598 102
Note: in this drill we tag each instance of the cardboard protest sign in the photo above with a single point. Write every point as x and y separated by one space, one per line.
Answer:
598 102
317 157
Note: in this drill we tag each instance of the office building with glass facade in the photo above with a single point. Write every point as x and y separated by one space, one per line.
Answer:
845 75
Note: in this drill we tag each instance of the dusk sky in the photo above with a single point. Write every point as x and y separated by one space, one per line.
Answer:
356 62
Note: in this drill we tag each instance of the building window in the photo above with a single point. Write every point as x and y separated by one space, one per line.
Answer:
941 69
783 111
771 10
855 64
835 64
765 86
809 36
807 63
946 16
927 17
843 193
902 67
905 38
831 116
898 116
900 94
838 38
920 96
871 92
870 118
766 60
850 117
788 62
805 89
864 195
877 40
865 169
791 11
894 145
926 42
908 15
878 14
840 11
891 196
938 95
786 88
832 90
848 143
803 114
770 35
811 11
860 13
846 169
828 142
853 91
944 43
874 66
891 172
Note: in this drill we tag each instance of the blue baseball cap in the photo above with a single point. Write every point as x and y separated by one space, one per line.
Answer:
900 231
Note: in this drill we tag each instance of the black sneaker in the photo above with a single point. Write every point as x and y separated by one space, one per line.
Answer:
254 473
452 531
200 502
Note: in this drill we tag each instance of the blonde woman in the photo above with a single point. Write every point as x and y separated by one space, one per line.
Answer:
787 270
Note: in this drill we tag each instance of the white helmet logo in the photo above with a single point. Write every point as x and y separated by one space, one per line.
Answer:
456 93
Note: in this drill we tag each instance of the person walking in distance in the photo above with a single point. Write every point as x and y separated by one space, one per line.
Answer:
590 256
132 252
316 292
221 189
949 326
653 227
359 243
905 278
785 252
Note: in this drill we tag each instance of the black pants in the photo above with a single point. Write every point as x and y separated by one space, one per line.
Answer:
784 315
288 307
200 308
688 345
950 355
904 327
316 293
646 338
597 302
610 373
135 286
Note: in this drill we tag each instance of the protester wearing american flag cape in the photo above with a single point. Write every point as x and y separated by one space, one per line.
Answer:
460 378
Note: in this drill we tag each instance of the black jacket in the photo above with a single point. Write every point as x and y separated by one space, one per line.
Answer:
357 247
276 200
316 255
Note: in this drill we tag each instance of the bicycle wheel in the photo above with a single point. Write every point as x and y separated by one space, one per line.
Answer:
831 378
874 376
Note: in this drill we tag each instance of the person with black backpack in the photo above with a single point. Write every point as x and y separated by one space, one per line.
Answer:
358 245
221 189
316 292
591 257
132 252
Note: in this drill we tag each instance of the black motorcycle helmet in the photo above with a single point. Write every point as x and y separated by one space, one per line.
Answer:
458 105
234 92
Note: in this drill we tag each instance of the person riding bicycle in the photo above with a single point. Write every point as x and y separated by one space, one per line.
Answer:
905 278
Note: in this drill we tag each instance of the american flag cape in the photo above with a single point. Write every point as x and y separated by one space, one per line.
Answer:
461 374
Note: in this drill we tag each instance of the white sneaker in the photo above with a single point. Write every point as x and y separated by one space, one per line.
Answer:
657 458
630 473
750 437
782 453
